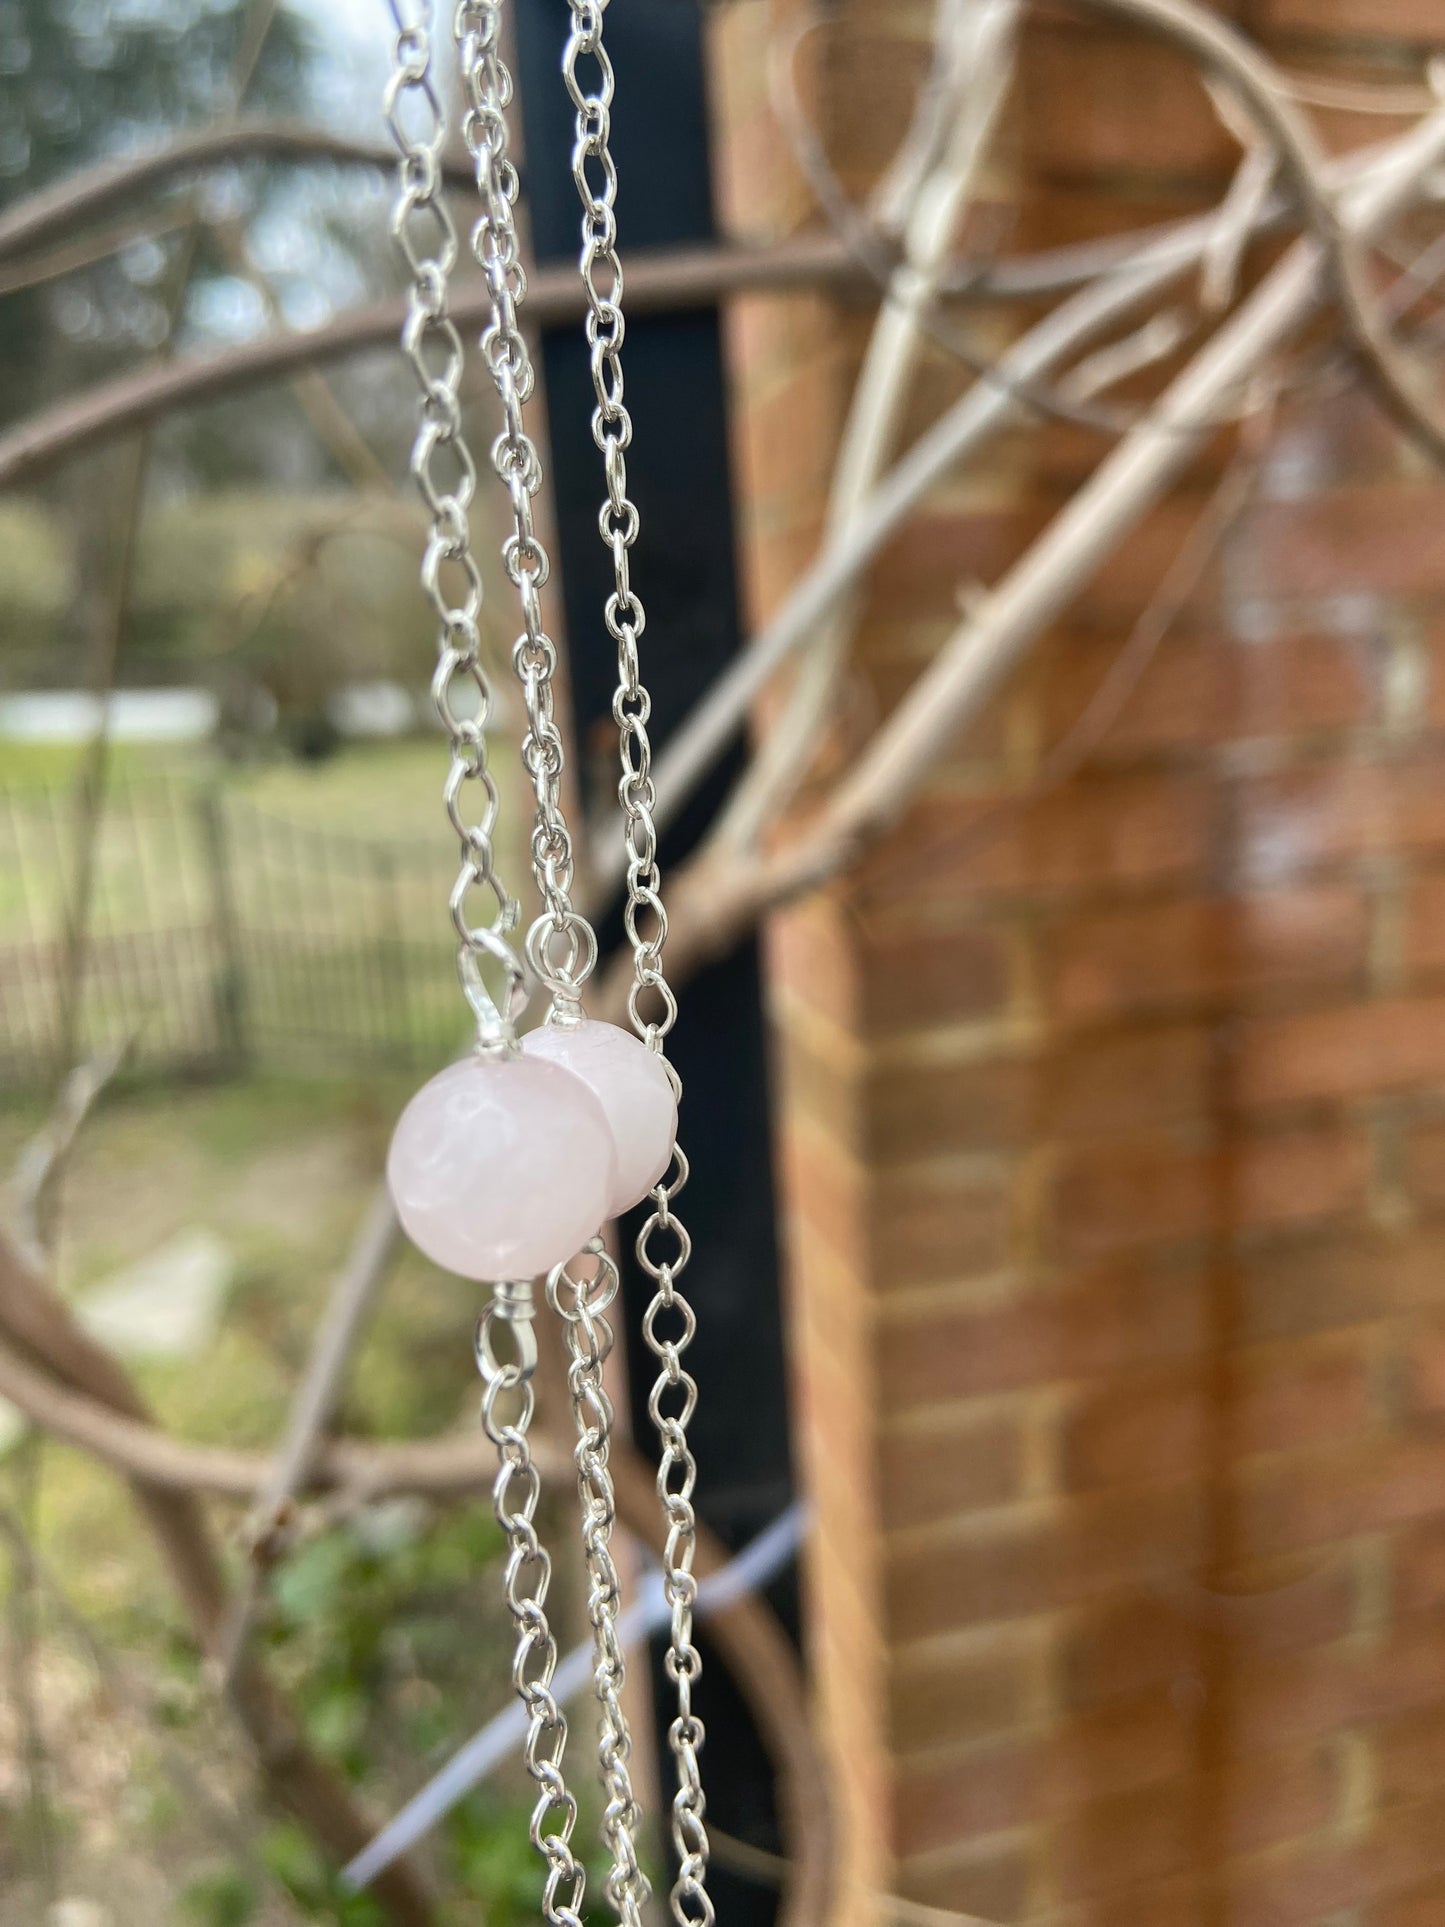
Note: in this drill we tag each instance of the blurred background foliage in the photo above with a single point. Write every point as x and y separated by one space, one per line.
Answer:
273 565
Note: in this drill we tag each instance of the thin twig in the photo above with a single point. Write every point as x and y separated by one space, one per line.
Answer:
972 71
1220 50
668 279
123 1690
721 894
1186 570
42 1160
986 407
39 219
313 1407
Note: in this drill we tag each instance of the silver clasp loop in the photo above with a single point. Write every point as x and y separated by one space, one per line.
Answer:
513 1307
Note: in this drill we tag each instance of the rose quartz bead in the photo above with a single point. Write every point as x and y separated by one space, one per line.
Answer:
632 1086
502 1167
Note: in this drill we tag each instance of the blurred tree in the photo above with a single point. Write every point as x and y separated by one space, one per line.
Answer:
83 81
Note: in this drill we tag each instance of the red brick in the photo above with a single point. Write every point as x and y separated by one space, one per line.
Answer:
1158 1833
1121 831
1160 1634
950 1463
811 957
1417 1554
1317 1881
1202 690
1186 1423
1026 1778
1090 103
1294 822
1409 1754
1425 1369
1425 924
1124 1645
1353 1051
1101 1320
939 1695
1320 1497
1116 1081
1318 1284
1422 1906
1353 539
932 1224
1206 951
924 977
1153 1191
991 1879
1012 1564
1370 20
941 547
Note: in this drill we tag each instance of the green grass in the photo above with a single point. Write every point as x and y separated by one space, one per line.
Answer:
312 904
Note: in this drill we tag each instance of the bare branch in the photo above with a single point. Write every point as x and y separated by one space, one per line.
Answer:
752 1644
1263 92
82 1373
453 1466
721 894
42 218
668 279
1130 478
972 72
312 1409
985 408
42 1161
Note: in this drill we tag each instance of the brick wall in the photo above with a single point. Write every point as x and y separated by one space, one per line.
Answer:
1113 1134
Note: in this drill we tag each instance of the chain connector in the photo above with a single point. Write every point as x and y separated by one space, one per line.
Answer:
514 1307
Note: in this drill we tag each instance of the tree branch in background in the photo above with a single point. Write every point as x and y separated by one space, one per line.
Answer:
672 279
313 1407
35 1321
35 1181
40 219
970 78
77 1392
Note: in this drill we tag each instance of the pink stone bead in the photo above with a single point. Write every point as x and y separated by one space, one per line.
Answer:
502 1167
631 1084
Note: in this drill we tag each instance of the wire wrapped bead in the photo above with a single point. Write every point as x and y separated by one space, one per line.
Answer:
632 1085
501 1167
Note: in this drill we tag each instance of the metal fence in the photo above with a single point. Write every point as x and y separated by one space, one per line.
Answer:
219 936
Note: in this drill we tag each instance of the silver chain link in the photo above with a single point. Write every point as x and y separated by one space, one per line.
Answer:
446 477
581 1302
426 235
663 1245
561 944
526 1576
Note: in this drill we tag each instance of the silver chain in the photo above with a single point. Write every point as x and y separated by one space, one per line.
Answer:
561 944
528 1571
581 1303
446 477
663 1245
426 235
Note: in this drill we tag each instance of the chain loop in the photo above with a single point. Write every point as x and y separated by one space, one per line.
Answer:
581 1303
560 946
508 1401
663 1245
446 477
